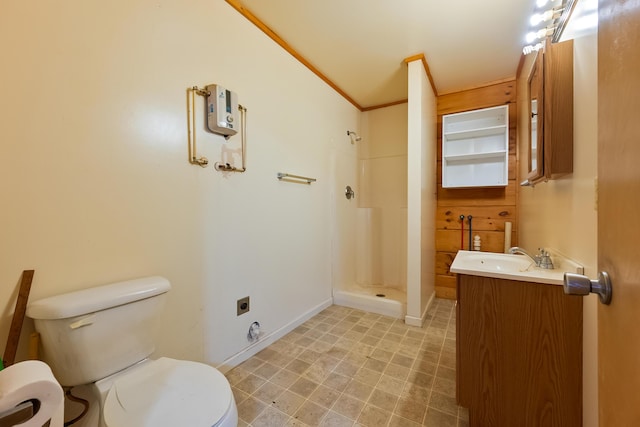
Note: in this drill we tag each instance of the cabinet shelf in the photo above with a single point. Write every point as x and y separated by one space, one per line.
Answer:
475 148
475 133
472 156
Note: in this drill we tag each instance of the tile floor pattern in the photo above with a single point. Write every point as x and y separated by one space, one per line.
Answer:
347 367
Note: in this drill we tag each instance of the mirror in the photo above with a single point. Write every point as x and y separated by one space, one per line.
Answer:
535 115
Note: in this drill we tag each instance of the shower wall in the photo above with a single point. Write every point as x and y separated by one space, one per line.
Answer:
381 230
383 241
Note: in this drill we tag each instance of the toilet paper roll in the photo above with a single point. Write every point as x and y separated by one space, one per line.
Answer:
28 380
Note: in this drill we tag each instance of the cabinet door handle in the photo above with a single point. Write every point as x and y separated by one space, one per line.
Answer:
577 284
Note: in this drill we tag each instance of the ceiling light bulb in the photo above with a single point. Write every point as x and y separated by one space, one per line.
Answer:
541 3
537 18
531 48
535 35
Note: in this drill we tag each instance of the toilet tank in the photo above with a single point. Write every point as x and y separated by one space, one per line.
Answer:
90 334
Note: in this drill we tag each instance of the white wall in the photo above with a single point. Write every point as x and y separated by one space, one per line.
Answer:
421 194
95 183
561 214
428 194
344 212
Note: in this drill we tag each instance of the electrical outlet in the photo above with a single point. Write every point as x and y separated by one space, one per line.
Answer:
243 305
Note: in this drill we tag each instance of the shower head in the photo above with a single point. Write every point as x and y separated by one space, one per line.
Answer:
354 136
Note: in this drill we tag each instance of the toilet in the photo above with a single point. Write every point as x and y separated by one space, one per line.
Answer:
102 337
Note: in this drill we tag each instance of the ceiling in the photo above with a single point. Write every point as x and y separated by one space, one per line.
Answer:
360 45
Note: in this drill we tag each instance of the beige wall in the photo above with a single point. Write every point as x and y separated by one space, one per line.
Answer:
382 180
95 183
421 194
428 195
561 214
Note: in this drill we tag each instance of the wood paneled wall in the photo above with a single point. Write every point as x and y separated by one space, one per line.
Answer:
489 207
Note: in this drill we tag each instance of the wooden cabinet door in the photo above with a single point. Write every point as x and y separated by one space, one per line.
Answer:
519 353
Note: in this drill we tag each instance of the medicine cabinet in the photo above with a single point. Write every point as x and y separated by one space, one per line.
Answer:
550 113
475 148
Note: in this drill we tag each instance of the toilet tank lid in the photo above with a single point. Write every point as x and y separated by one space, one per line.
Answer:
97 298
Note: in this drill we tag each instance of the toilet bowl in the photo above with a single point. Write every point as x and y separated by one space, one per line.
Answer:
166 392
102 338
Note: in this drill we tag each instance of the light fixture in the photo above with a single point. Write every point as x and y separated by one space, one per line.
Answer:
547 15
531 48
585 11
584 20
539 35
547 23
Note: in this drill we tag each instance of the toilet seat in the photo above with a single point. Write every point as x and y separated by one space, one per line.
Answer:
168 392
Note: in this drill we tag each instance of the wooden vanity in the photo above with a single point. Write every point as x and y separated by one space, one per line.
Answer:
519 353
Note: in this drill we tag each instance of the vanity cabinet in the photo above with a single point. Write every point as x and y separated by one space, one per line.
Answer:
475 148
550 113
519 353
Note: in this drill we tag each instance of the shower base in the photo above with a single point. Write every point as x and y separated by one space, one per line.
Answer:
392 302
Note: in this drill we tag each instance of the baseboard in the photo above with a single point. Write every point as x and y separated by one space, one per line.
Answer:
269 339
419 321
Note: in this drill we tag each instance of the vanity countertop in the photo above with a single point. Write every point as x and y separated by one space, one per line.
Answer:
513 267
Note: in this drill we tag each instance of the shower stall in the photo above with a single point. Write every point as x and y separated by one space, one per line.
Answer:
371 271
383 241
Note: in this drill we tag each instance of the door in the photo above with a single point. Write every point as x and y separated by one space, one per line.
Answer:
619 211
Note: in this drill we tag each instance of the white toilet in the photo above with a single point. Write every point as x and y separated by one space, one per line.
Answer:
103 336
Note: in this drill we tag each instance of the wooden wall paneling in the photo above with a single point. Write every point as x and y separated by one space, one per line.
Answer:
485 218
449 240
446 282
446 285
443 263
483 97
487 221
490 207
481 196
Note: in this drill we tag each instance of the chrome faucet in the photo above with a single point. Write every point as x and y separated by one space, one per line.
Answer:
545 260
542 259
519 250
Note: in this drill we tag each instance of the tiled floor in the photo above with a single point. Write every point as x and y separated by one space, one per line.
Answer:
347 367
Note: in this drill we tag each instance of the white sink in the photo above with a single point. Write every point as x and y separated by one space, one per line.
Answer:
496 262
512 267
